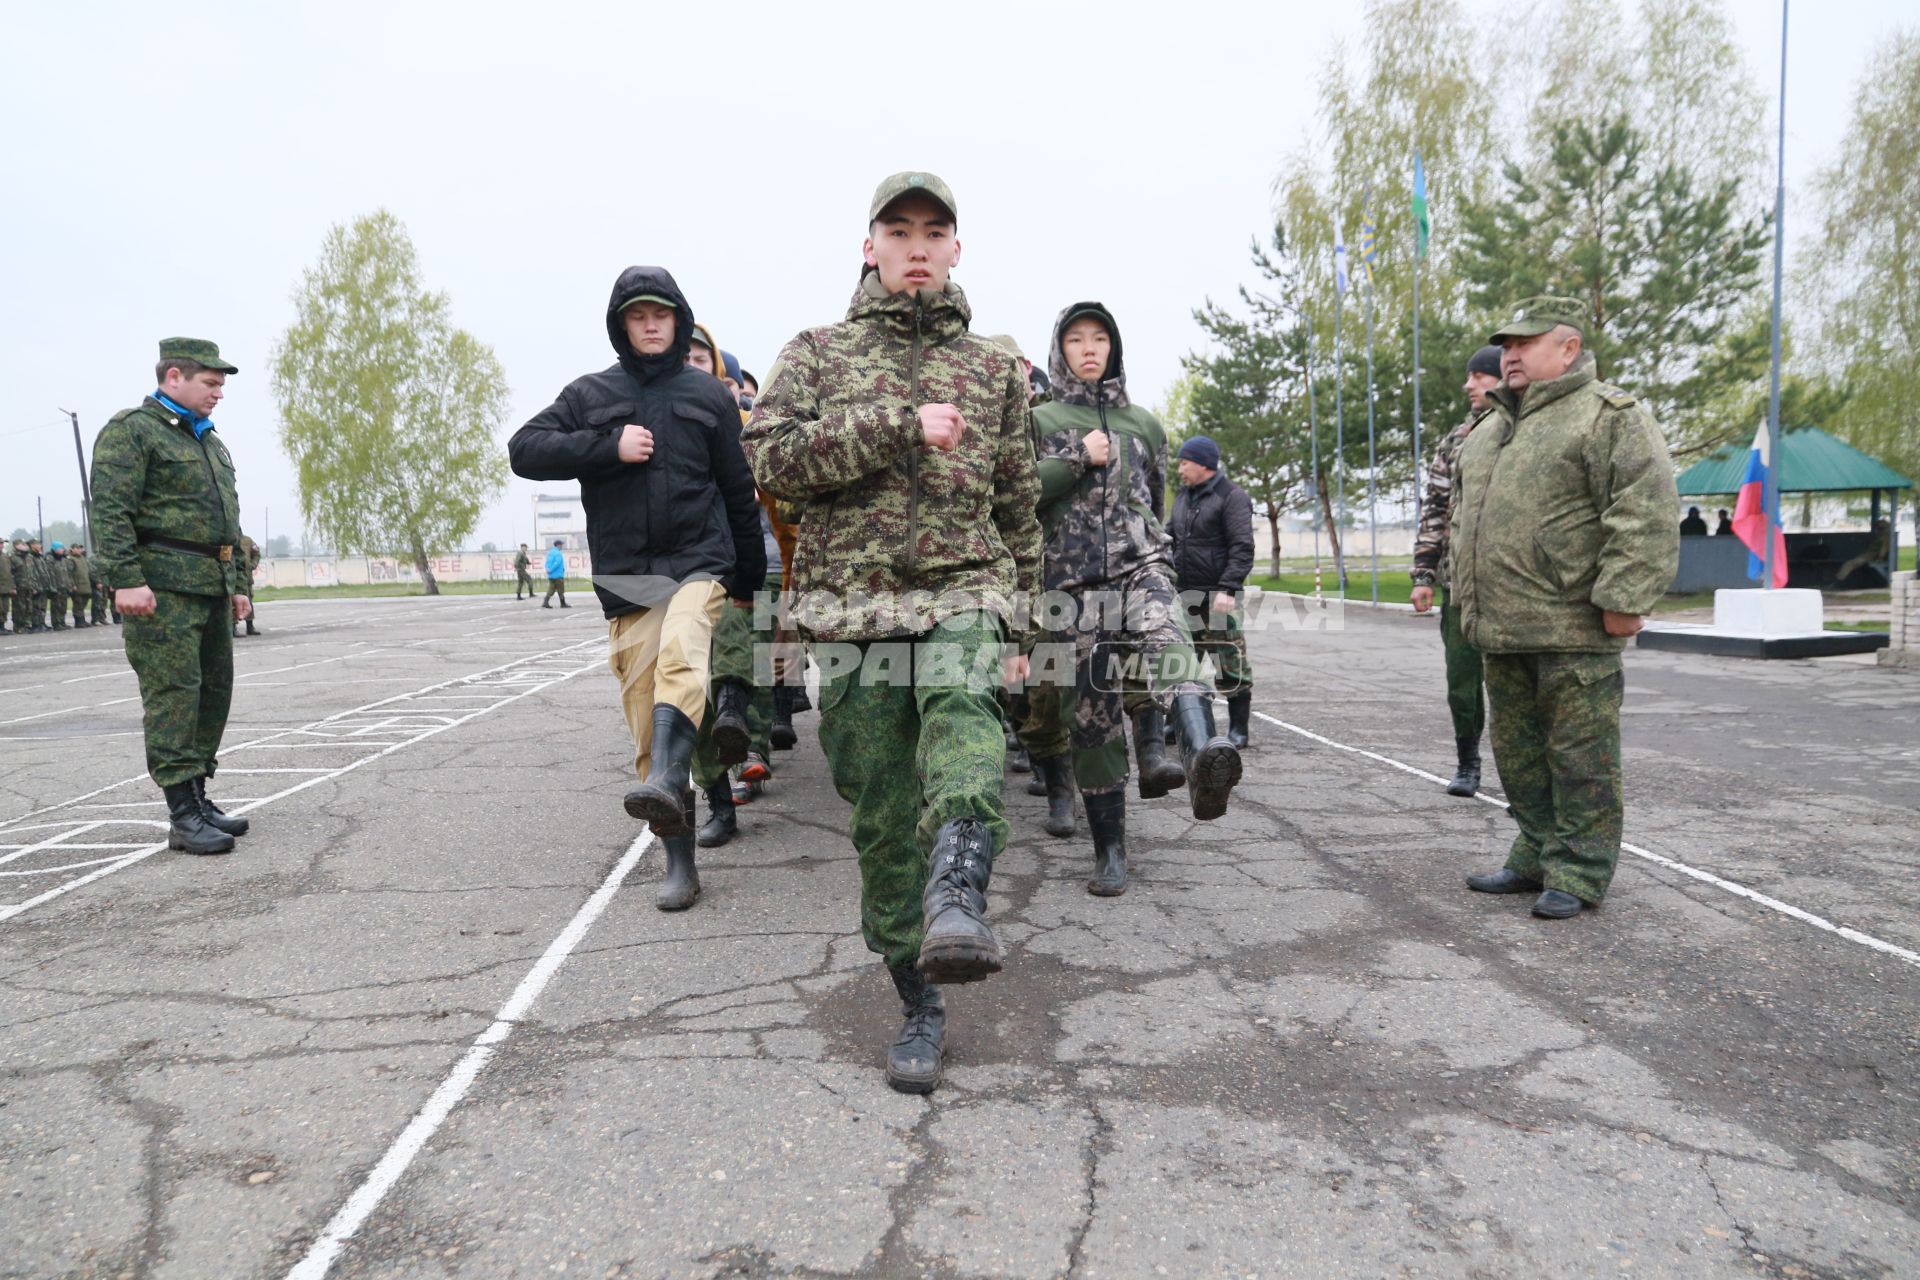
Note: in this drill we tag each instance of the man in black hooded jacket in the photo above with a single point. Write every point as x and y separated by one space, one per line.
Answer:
674 530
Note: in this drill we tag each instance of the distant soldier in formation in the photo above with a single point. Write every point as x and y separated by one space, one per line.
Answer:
77 589
522 573
249 553
23 587
6 587
1431 569
167 519
1563 538
102 597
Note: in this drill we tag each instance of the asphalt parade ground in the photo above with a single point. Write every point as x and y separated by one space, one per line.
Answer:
426 1021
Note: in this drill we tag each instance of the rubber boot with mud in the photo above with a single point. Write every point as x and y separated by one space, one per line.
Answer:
1467 780
1159 772
956 943
913 1059
1212 764
1057 774
212 812
1107 819
731 737
664 800
723 825
781 735
1239 718
188 829
681 884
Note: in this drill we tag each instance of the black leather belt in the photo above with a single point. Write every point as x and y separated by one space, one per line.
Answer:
212 551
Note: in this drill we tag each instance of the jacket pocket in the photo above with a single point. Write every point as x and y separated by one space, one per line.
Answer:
603 418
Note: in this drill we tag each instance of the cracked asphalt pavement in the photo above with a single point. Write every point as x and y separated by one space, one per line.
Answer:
1296 1047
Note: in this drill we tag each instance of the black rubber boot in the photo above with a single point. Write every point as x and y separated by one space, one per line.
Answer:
731 737
1057 774
801 702
1036 781
1467 780
1159 772
723 825
1107 818
216 819
1021 762
913 1059
781 735
1239 718
681 885
1212 764
251 629
665 799
956 944
189 831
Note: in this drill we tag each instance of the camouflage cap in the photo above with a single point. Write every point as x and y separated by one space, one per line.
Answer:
911 183
1535 316
1006 343
198 350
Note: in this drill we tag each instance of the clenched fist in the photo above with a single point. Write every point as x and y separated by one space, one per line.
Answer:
941 427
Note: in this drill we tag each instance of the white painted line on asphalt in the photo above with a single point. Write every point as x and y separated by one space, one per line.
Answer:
1705 877
366 1198
319 662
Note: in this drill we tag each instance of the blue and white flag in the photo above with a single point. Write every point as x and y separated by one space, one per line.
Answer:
1339 258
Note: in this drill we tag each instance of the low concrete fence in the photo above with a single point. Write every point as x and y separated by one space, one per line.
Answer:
354 571
1903 635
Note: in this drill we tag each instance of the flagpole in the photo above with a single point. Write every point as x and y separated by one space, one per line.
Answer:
1770 496
1313 430
1373 512
1339 455
1416 378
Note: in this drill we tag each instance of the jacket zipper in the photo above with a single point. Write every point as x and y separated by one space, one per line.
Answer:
913 458
221 503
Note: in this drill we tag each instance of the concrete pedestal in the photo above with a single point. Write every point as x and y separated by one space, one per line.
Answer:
1751 623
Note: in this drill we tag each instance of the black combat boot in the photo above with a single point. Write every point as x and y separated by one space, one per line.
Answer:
212 812
1467 780
731 737
251 629
681 885
1212 764
1107 819
723 825
781 735
1159 772
1021 762
956 944
1036 781
189 831
913 1059
801 702
665 799
1057 774
1239 718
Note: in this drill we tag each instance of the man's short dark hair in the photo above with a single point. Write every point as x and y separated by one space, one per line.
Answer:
557 541
747 377
186 367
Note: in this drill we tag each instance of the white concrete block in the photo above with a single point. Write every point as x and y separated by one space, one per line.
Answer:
1752 612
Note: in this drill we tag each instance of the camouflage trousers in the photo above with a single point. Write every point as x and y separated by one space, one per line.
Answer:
913 740
522 581
1036 711
1218 637
737 643
183 655
81 599
1130 645
20 605
53 606
1465 674
1556 742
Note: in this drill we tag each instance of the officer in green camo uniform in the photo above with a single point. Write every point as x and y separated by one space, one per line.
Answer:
522 573
167 520
76 588
1103 475
1563 539
102 597
1464 674
6 585
22 576
906 440
249 556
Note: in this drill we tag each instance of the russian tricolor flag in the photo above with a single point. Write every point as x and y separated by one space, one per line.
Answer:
1752 520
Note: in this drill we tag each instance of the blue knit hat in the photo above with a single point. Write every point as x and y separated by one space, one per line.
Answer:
1203 450
732 363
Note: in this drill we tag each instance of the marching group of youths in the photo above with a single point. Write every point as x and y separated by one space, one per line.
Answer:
970 564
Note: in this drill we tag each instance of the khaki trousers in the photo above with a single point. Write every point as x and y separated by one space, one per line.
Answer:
660 654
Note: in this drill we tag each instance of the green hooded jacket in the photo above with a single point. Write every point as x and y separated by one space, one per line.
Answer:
894 536
1564 506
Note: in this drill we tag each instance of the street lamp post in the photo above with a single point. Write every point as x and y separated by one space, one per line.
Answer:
86 489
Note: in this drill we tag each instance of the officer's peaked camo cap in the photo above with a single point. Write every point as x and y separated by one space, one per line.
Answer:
1533 316
913 183
198 350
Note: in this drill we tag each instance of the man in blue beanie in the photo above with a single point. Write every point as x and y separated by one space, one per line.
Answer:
1212 528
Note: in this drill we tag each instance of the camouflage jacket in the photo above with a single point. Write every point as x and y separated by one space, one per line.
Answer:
1102 523
76 571
1436 511
6 573
152 477
893 536
1564 509
96 579
39 571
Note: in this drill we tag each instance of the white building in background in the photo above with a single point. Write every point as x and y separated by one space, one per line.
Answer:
560 518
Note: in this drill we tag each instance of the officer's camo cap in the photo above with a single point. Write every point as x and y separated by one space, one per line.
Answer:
198 350
1531 317
913 183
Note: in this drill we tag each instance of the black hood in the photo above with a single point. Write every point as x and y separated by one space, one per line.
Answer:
1067 386
659 282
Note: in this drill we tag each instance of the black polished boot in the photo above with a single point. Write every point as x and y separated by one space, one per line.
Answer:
665 799
1501 881
1107 819
1212 764
781 734
216 819
681 885
1467 780
1239 718
956 944
1159 772
1056 775
251 629
188 830
731 737
723 825
913 1059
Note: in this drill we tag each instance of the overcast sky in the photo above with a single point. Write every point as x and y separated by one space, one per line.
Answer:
176 171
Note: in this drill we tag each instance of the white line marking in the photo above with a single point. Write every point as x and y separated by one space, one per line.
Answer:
366 1198
1706 877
